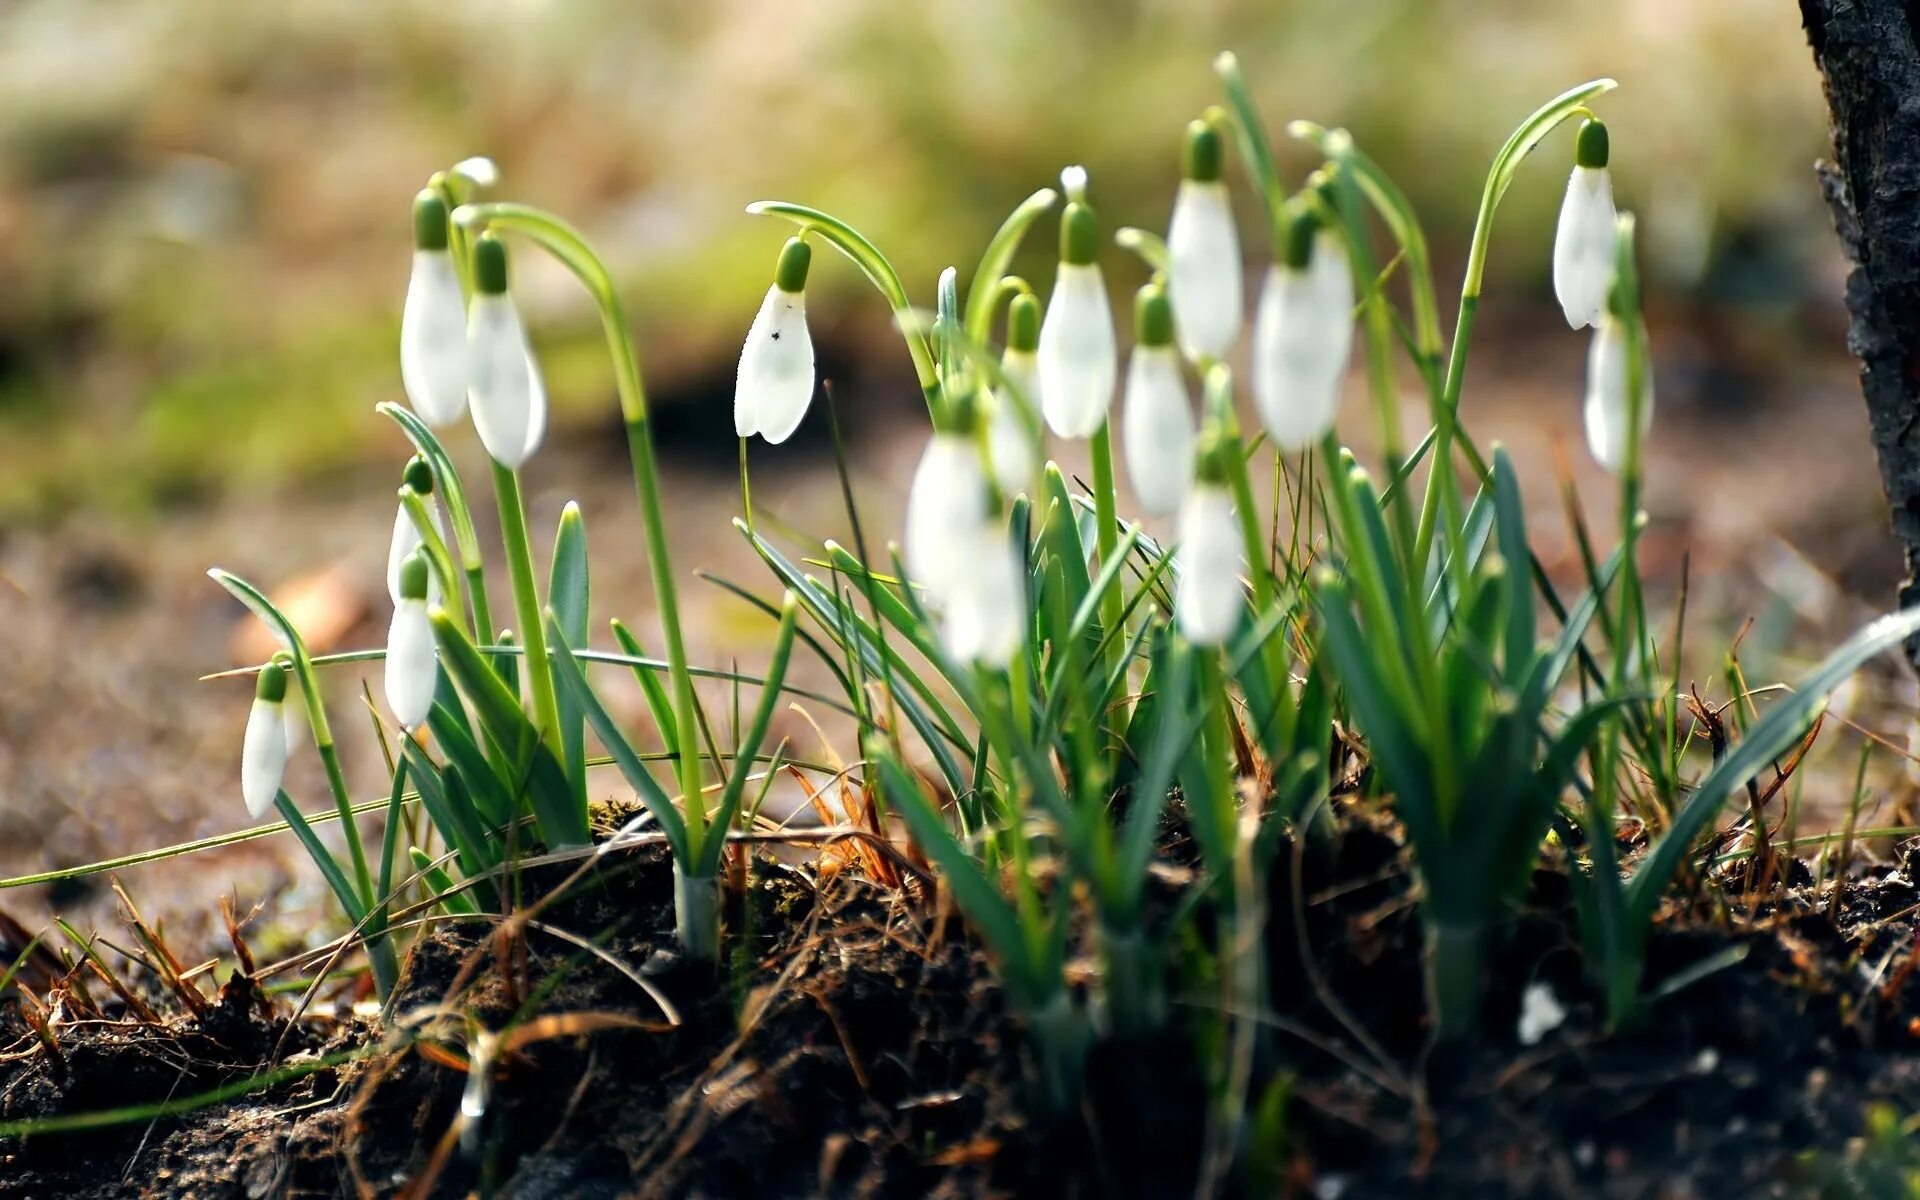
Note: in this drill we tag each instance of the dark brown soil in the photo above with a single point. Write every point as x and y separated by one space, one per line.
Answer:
857 1045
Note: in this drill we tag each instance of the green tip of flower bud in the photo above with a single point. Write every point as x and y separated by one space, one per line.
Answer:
1210 459
790 273
1152 316
1201 158
1023 323
1079 234
490 265
418 476
964 415
429 221
1302 223
272 684
413 577
1590 147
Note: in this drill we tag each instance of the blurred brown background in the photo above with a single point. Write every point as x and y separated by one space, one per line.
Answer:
203 246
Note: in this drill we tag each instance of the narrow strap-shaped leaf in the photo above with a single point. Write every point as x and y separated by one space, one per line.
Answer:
492 796
567 593
455 901
648 677
322 858
736 784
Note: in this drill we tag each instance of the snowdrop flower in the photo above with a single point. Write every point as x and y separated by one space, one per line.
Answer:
1157 420
1010 442
478 170
987 610
775 381
1583 244
411 665
947 504
1303 334
508 396
1608 410
1076 354
433 323
1203 251
1207 598
263 753
406 535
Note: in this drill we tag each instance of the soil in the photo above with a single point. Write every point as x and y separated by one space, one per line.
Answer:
856 1044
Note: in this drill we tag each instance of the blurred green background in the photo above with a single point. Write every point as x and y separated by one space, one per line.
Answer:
203 204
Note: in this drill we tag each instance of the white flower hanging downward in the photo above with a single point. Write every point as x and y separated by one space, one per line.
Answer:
418 480
263 754
1203 251
1010 440
508 397
1583 243
1077 353
987 607
775 381
1207 598
1303 334
1608 409
1157 420
946 505
433 324
411 664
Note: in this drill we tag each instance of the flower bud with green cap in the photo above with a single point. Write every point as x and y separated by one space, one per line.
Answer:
1157 413
1608 408
948 502
412 664
508 395
1583 242
1077 354
433 321
1010 440
1208 597
263 751
1303 330
417 479
774 383
1203 250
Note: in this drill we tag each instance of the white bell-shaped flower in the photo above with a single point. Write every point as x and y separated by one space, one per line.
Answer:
946 505
1608 410
1583 243
1077 355
986 619
1203 252
774 385
412 664
263 753
406 535
1303 336
433 323
1157 417
508 397
1208 600
1011 442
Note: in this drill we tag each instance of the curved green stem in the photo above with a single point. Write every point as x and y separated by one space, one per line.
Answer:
1255 149
983 294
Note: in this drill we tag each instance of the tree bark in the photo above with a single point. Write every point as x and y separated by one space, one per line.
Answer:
1869 61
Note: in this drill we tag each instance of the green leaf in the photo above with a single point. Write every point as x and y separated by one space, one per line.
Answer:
322 858
567 593
756 733
445 477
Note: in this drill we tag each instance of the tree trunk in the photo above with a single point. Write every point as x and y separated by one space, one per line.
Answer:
1866 51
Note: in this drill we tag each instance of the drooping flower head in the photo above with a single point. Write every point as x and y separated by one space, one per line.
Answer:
1203 251
775 381
263 752
1010 441
1583 243
1157 418
1608 409
417 479
411 664
1303 333
508 396
947 503
1208 598
1076 356
433 323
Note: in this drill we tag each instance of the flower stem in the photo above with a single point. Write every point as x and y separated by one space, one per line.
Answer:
526 599
1107 539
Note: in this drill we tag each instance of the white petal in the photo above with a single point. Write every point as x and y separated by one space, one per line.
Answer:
1583 246
1077 355
1208 598
1157 424
775 381
263 756
433 340
1606 410
987 618
1540 1014
480 169
406 539
508 398
1302 337
946 506
1204 282
1333 295
410 665
1010 443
